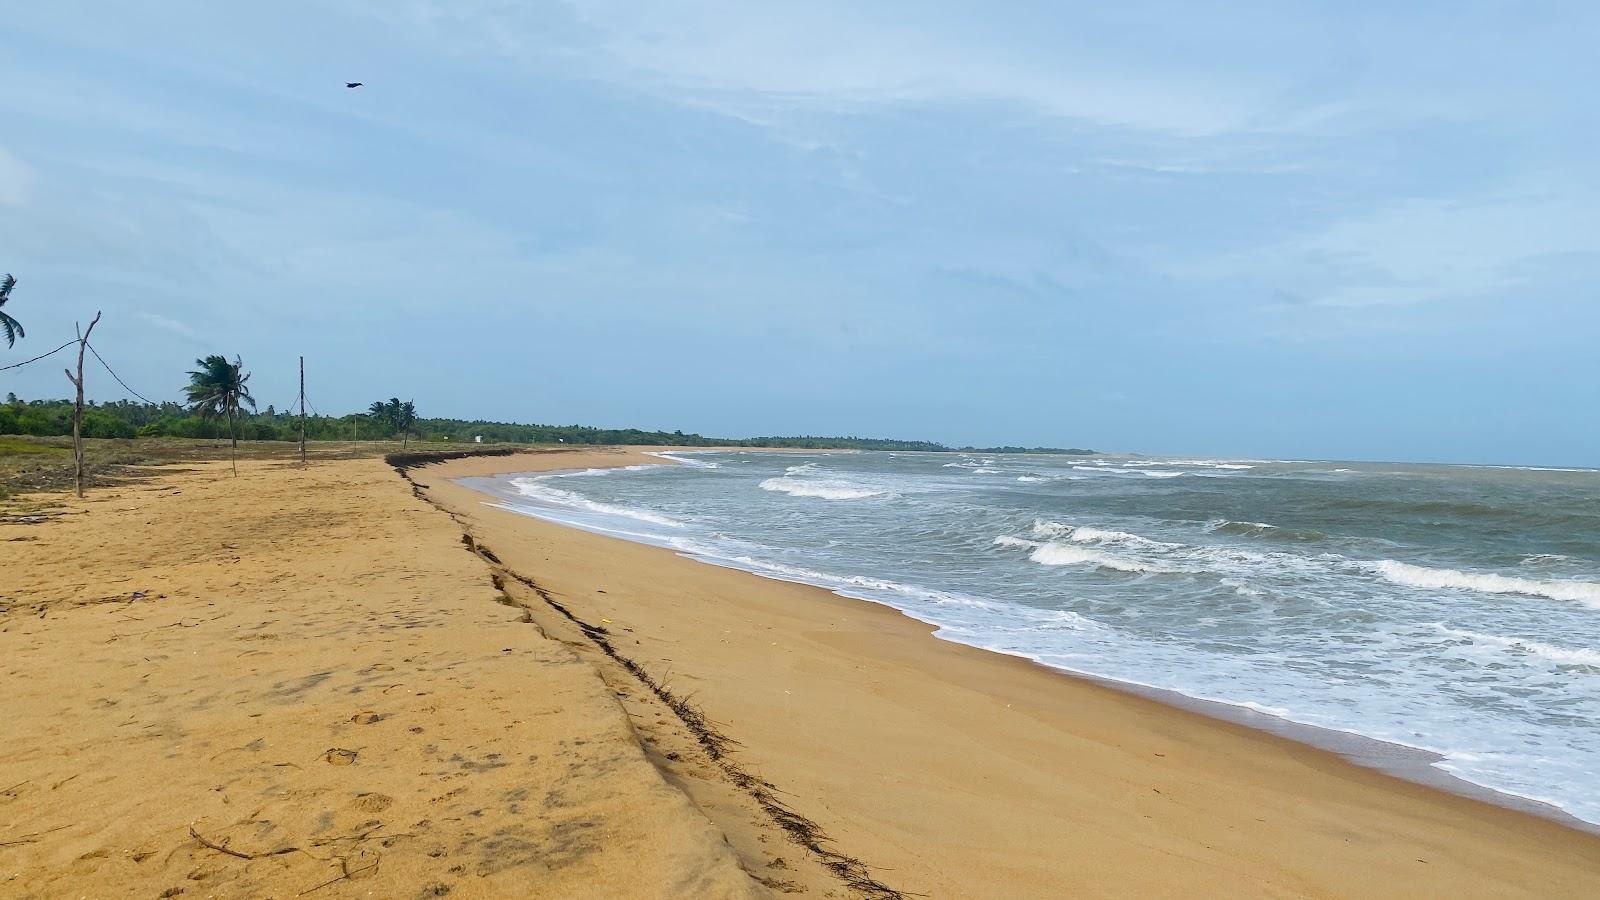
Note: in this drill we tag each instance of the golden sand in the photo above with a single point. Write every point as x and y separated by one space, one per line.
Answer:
305 683
300 678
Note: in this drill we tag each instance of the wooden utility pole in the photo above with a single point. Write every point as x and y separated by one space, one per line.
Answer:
302 412
77 408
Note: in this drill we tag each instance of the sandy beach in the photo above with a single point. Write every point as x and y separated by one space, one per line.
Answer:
336 682
298 683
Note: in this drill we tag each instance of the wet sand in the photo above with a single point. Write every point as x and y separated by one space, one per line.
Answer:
952 771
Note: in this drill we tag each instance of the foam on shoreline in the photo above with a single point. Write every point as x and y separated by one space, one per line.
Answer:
1060 544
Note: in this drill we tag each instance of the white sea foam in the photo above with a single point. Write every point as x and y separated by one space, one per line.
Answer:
1222 524
985 470
1242 588
1101 469
1191 463
589 473
686 460
1006 540
873 588
799 481
1044 528
1536 469
1559 655
1055 553
1088 534
1085 534
535 489
1585 592
822 489
1031 479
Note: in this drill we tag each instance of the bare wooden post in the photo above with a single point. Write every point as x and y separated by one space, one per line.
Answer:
302 412
77 408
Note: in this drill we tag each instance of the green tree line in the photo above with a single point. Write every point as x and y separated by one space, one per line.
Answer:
128 419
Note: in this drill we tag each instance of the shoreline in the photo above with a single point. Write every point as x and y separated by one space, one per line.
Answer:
1404 761
1405 773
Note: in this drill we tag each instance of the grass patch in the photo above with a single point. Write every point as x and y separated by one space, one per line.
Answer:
22 446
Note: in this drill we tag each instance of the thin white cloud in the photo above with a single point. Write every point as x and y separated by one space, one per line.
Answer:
761 61
169 324
1451 249
751 59
1423 250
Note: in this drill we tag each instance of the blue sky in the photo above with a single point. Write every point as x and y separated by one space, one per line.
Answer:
1354 229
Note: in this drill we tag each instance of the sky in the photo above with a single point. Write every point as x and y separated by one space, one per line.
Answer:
1357 230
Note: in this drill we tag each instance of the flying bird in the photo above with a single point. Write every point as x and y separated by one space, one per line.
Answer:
352 84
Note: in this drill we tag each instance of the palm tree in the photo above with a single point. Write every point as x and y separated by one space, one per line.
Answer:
406 418
378 413
217 388
12 327
399 418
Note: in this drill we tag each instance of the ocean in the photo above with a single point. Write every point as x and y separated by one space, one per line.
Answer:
1450 609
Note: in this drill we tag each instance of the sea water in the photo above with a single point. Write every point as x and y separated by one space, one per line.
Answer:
1447 608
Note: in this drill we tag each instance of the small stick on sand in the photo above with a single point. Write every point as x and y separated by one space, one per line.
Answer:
347 874
217 847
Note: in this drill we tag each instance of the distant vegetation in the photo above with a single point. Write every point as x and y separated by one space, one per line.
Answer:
399 418
388 420
1063 451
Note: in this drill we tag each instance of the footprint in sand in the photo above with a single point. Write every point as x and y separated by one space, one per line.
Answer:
372 803
337 756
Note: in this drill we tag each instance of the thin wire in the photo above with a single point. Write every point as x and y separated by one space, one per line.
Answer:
119 377
37 358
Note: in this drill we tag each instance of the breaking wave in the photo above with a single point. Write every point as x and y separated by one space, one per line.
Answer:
1585 592
1561 656
1087 534
796 482
820 489
535 489
686 460
1055 553
1263 530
